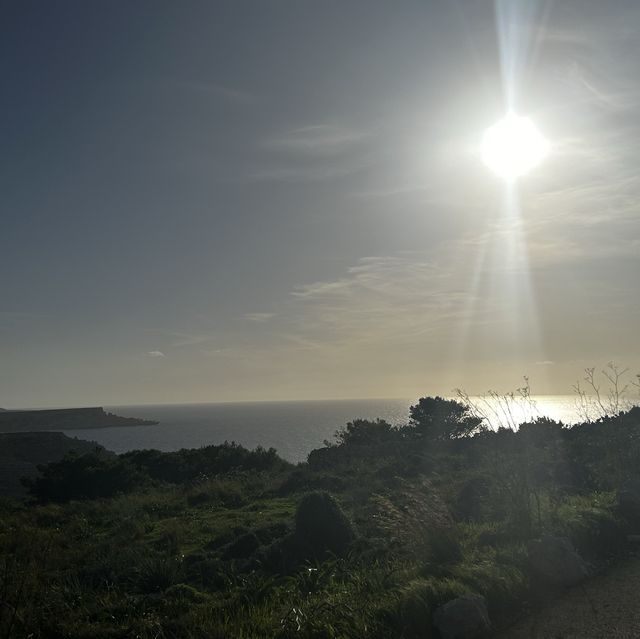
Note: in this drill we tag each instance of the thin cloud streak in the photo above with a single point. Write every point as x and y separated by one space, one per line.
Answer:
210 89
307 174
383 299
258 317
312 153
317 140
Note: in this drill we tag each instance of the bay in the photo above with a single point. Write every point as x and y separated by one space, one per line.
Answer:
292 428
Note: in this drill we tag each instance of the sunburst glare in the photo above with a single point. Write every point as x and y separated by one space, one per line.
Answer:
513 146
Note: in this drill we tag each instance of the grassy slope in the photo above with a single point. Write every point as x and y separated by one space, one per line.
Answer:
195 559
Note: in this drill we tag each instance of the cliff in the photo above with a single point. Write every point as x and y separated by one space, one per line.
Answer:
20 421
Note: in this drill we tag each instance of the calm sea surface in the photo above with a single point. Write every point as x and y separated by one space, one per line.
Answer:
292 428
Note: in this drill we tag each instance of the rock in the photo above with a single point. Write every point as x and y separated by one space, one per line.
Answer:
629 502
554 560
465 617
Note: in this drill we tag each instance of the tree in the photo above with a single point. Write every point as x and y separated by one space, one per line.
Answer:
440 419
366 432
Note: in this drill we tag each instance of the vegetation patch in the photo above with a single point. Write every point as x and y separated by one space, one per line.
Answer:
365 540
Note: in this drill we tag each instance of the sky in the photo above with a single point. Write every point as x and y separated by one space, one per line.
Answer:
285 199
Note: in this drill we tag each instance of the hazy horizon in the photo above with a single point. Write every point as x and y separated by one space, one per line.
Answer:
110 406
250 201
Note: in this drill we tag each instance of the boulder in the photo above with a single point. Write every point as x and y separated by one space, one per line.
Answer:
554 560
629 502
464 617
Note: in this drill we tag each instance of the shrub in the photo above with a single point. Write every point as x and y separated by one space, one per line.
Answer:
184 592
470 497
170 540
419 598
156 574
366 432
306 479
243 547
443 546
228 493
283 555
499 576
206 571
321 524
595 532
87 476
439 419
196 464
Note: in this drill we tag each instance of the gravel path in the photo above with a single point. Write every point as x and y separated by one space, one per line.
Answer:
605 607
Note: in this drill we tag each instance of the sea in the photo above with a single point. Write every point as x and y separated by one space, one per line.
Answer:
294 429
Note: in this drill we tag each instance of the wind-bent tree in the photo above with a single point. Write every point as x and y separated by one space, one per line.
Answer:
442 419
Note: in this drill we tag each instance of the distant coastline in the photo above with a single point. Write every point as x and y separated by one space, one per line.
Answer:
20 421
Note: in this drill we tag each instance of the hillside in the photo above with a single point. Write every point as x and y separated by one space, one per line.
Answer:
20 421
21 453
368 539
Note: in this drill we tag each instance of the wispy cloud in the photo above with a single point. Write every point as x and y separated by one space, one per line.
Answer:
258 317
185 338
156 354
384 298
393 191
216 90
314 173
313 153
317 140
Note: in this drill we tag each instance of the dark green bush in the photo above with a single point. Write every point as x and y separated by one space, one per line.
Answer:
198 464
443 546
439 419
595 533
155 574
283 555
243 547
305 480
470 497
206 571
184 592
321 524
498 577
361 432
89 476
417 601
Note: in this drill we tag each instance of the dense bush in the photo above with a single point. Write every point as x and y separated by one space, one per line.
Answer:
439 419
208 461
101 474
361 432
84 477
320 523
418 599
593 528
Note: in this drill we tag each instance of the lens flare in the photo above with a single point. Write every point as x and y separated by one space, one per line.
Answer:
513 146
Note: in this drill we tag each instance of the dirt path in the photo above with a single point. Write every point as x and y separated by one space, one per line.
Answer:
605 607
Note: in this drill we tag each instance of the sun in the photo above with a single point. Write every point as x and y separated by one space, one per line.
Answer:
513 146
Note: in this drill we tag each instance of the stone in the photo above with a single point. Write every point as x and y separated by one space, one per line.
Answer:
629 502
553 559
464 617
